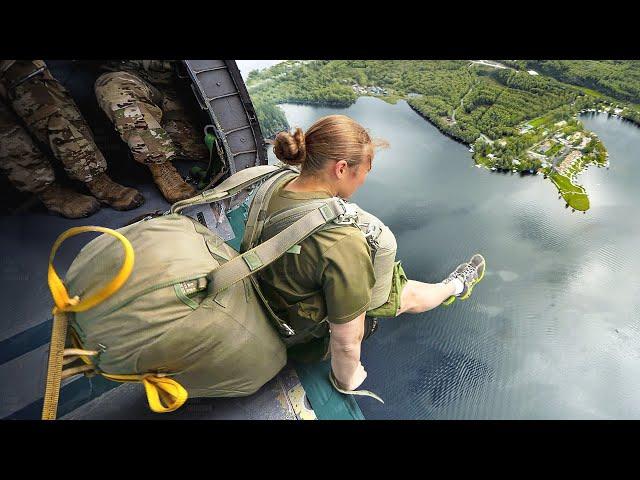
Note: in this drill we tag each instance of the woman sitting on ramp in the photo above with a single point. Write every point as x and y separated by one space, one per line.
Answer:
328 281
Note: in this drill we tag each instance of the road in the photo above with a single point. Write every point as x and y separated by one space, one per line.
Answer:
561 155
453 115
490 63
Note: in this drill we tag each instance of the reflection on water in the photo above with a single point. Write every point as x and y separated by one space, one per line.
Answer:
553 329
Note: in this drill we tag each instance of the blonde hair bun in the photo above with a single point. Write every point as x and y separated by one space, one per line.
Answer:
290 149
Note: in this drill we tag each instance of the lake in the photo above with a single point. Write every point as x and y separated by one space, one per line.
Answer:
553 330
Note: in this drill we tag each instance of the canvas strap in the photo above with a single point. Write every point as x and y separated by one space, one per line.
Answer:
231 186
259 206
267 252
280 220
365 393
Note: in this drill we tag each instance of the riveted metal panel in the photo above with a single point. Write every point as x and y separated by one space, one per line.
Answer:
221 91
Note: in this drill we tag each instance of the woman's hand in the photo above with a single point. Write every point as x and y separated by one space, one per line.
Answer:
357 379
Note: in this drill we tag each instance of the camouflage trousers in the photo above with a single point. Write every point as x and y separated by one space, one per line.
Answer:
26 166
154 123
53 118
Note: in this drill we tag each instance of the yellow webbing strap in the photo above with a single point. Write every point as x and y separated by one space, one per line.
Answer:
58 290
54 370
163 394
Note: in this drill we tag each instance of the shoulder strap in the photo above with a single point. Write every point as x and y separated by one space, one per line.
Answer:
247 176
258 211
280 220
232 185
267 252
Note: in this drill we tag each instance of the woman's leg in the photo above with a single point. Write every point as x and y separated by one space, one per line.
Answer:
132 105
418 297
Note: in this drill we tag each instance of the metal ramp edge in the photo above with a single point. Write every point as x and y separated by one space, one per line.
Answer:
220 90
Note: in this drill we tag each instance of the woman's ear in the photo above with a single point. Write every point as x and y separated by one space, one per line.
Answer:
340 168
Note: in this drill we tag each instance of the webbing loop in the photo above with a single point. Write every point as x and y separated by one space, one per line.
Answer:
59 292
163 394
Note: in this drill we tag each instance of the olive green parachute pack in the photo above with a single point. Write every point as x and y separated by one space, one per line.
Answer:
190 320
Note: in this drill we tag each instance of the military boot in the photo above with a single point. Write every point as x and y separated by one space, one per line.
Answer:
170 183
67 202
113 194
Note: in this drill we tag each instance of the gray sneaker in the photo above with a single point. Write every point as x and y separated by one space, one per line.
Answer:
469 273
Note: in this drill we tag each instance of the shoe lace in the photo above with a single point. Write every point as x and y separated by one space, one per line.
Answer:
467 273
464 276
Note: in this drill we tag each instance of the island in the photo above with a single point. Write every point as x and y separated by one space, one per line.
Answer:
515 116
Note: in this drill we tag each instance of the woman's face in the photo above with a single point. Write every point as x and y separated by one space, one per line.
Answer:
353 178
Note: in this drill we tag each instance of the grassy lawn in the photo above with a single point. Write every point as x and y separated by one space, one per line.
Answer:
484 161
574 195
553 150
588 91
536 122
579 201
564 183
391 98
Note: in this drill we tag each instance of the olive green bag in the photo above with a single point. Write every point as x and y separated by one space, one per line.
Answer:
166 320
189 311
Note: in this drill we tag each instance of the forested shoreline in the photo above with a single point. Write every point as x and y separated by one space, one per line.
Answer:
507 112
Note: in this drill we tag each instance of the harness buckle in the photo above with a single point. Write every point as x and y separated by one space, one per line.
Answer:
289 332
350 215
371 235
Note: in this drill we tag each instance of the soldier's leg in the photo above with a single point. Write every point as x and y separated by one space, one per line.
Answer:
53 117
179 122
132 105
29 170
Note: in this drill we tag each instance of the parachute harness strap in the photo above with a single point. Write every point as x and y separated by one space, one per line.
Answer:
163 394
